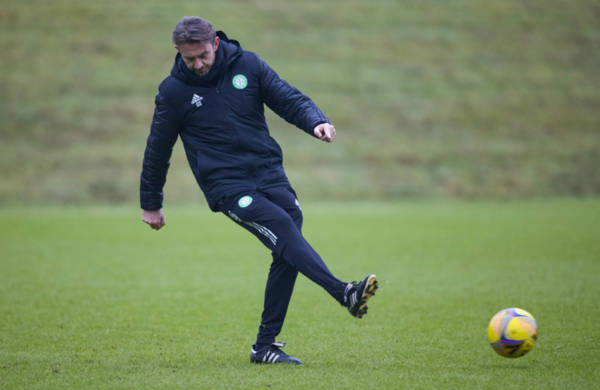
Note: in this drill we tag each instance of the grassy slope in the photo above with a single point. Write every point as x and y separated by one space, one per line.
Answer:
90 298
430 98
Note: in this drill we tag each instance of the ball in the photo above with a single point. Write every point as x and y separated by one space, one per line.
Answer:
512 332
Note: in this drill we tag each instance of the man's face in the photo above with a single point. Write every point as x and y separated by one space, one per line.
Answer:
199 57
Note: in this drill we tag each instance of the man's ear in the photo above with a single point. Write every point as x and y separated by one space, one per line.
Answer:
216 43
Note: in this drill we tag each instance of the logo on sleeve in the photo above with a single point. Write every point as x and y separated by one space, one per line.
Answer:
239 81
197 100
245 201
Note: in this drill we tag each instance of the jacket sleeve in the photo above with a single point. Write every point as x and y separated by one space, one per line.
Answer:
288 102
159 146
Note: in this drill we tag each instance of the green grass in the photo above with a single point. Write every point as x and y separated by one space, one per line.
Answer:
464 98
90 298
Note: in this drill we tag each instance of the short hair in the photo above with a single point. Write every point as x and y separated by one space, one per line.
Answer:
192 29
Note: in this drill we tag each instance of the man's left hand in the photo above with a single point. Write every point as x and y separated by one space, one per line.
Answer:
325 132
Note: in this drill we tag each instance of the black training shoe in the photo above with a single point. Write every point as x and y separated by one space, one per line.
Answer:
357 295
272 354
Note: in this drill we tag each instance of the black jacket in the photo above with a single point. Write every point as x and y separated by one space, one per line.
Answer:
220 118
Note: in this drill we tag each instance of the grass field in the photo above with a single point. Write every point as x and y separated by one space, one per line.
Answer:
90 298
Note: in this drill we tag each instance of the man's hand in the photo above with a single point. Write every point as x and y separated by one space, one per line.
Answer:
154 218
325 132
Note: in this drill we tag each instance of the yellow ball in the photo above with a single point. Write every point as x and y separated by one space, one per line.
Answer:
512 332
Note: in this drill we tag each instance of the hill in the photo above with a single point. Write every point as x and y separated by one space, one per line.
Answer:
430 99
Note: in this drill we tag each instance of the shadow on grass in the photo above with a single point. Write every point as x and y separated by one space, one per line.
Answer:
507 367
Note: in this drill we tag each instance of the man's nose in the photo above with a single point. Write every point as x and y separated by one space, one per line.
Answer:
197 63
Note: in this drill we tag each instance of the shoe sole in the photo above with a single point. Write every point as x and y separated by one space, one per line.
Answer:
370 288
298 362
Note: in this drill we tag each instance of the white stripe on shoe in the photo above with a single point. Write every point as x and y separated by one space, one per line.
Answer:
353 299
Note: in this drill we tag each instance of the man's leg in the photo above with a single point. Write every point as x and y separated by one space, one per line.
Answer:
277 230
276 219
278 292
282 277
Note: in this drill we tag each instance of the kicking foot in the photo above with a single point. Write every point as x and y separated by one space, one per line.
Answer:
357 295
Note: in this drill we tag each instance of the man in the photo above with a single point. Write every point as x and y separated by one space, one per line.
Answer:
214 100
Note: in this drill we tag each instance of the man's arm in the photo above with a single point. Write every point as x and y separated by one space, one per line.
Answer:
159 147
293 106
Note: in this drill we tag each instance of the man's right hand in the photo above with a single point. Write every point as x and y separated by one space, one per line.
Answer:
154 218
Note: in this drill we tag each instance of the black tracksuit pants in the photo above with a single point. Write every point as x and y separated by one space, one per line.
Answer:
275 217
